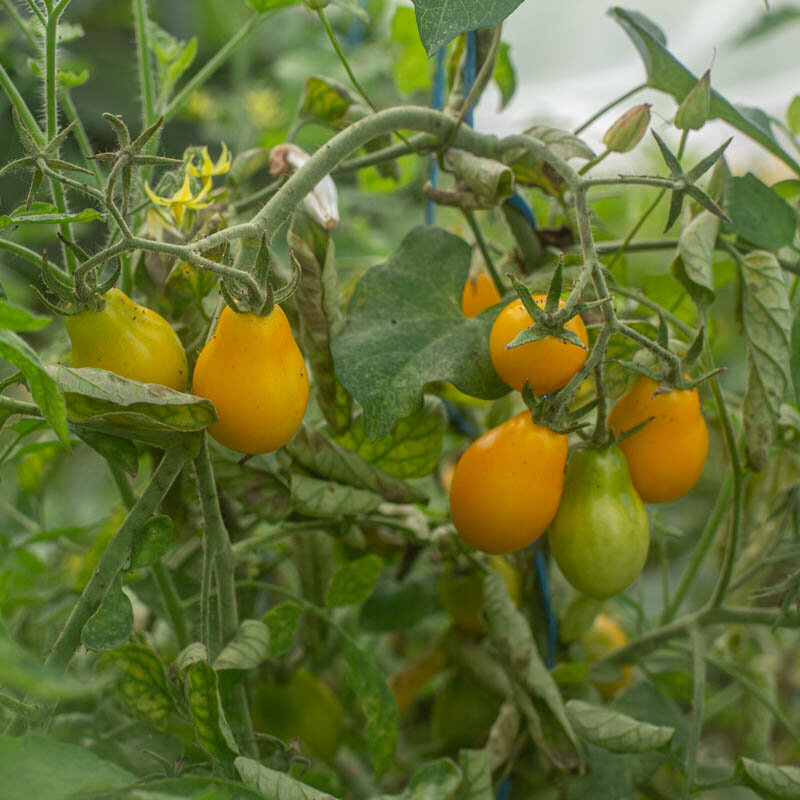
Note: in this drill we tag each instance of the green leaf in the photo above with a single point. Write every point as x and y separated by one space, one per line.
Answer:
769 780
439 779
248 648
210 726
26 675
180 64
315 498
667 74
324 100
378 704
283 622
793 115
795 360
504 75
270 783
511 636
440 21
490 181
35 216
268 5
693 266
111 625
16 318
399 605
95 393
141 685
615 731
152 541
412 448
477 776
317 453
353 583
190 787
405 328
43 388
120 452
317 300
758 213
411 69
37 767
768 22
767 321
190 655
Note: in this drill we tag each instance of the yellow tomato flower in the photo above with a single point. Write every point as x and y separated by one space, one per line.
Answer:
208 167
181 200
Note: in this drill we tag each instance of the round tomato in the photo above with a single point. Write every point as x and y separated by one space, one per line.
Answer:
600 535
667 456
129 340
548 364
507 485
463 711
408 681
461 593
304 709
479 294
254 373
603 638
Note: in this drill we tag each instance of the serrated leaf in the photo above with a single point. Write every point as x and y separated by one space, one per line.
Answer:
120 452
439 779
614 731
317 300
111 625
315 498
35 767
759 214
410 67
248 648
317 453
191 654
769 780
693 267
141 686
210 726
283 622
377 703
271 783
94 393
353 583
511 636
412 448
405 328
324 100
22 217
766 317
152 541
440 21
17 351
667 74
16 318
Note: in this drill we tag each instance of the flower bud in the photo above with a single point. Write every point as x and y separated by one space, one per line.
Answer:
628 130
695 109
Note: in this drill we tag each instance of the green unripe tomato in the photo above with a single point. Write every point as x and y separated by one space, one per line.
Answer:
600 535
304 709
461 594
463 711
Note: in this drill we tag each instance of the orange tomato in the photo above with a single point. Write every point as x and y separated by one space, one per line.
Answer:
548 363
479 294
603 638
507 485
667 456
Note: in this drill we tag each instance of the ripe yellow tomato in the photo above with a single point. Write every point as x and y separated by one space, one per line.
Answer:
548 363
253 372
667 456
129 340
479 294
603 638
507 485
461 594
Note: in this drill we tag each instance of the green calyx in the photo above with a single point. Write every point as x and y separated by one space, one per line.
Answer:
244 300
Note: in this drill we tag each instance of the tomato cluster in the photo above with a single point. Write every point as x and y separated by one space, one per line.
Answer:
515 482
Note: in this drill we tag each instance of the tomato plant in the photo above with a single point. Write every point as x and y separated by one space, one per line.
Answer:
501 505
